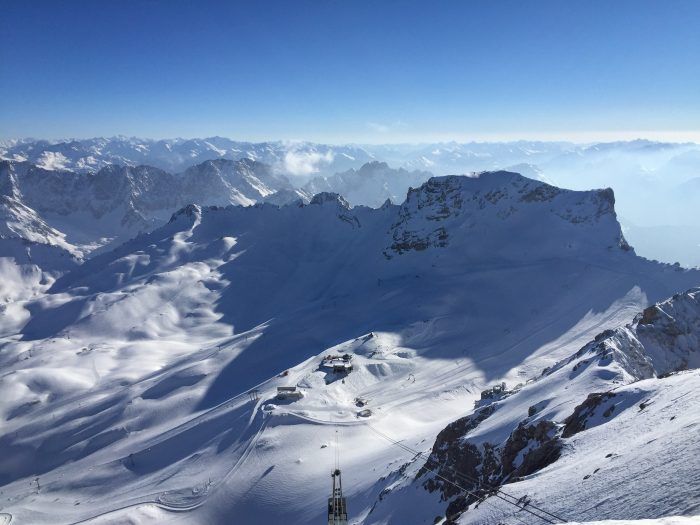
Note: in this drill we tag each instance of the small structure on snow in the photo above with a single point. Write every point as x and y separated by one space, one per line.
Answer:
342 368
337 507
289 392
340 364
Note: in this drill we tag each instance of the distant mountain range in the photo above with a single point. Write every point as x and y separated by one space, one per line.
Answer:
84 211
306 159
81 211
176 155
655 183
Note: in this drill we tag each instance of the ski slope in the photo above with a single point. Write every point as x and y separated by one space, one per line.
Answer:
126 385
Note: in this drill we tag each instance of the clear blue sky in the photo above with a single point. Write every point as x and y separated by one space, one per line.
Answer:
353 70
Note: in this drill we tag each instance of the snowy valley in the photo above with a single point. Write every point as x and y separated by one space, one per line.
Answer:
503 336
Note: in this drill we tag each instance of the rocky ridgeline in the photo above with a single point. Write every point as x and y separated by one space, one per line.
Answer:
120 201
662 340
491 202
481 468
144 188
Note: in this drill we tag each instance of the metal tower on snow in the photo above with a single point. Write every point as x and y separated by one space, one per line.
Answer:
337 508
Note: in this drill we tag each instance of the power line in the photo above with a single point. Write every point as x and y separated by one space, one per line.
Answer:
548 516
498 494
508 498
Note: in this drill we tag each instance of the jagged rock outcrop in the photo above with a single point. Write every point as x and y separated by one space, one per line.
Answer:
508 213
482 467
576 422
664 338
331 198
191 212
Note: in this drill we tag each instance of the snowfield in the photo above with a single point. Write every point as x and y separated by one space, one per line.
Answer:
140 386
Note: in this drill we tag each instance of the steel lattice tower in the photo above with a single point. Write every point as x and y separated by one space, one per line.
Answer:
337 508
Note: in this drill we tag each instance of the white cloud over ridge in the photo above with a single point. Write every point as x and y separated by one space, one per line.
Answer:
304 163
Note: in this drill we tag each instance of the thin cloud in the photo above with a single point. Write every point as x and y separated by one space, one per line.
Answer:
303 163
379 127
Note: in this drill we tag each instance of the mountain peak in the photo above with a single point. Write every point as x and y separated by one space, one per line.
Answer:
191 211
328 197
373 165
509 215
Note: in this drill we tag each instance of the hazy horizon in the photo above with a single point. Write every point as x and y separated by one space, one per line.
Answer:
662 139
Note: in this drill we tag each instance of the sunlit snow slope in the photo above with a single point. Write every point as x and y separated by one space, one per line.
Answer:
125 391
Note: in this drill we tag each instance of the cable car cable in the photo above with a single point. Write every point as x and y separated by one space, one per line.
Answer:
498 492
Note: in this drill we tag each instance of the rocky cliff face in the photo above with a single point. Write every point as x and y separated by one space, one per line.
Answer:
508 213
223 182
18 221
464 471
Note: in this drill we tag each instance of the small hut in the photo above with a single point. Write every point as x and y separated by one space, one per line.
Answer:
288 392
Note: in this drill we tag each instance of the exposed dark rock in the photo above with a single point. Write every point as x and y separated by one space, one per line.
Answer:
649 315
541 193
324 197
576 422
448 449
481 468
520 458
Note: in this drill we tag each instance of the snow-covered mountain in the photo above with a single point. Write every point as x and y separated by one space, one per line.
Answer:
81 211
454 157
289 196
603 418
306 159
143 382
649 178
176 155
370 185
32 253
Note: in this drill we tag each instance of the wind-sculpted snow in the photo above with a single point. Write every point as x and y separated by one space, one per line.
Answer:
144 380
